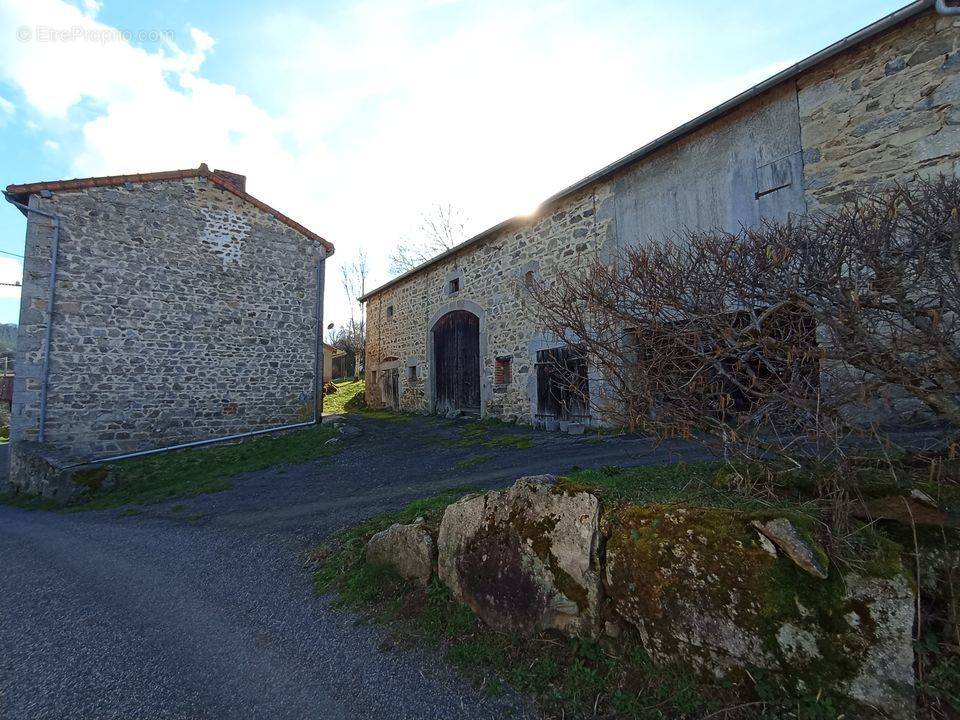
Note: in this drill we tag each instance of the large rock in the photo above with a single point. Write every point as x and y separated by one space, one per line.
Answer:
882 612
703 588
408 549
525 558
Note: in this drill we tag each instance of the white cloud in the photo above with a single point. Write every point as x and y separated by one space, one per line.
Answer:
374 120
91 7
51 145
7 109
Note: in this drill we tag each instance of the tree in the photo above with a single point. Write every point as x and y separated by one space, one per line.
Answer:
440 229
786 337
349 337
353 278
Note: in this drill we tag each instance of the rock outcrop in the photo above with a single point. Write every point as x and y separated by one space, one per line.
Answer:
525 558
408 549
702 588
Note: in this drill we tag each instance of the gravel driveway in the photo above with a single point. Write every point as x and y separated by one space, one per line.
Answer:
208 611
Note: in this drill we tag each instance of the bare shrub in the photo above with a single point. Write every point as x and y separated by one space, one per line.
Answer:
788 337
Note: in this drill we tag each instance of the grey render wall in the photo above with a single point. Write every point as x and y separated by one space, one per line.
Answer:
881 111
182 313
713 180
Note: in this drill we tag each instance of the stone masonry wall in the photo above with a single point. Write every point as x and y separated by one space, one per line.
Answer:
884 110
492 285
182 313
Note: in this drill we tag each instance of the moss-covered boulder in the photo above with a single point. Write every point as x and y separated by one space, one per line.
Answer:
408 549
525 558
703 587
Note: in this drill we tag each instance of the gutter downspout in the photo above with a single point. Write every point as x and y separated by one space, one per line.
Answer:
51 292
318 351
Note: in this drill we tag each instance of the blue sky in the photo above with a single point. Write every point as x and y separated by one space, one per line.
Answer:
357 118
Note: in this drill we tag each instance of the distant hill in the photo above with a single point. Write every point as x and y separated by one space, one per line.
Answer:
8 338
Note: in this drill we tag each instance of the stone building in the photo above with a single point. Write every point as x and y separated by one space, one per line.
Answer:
329 354
458 332
157 310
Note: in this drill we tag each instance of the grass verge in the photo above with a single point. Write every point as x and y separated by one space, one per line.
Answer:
194 471
347 398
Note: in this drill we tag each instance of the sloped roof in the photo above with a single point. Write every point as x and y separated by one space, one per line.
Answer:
870 31
21 193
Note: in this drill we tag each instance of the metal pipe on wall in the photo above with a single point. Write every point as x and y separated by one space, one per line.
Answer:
51 293
318 351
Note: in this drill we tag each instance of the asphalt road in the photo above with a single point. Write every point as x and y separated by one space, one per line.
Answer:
208 612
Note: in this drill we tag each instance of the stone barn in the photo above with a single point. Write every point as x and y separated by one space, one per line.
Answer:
159 310
458 332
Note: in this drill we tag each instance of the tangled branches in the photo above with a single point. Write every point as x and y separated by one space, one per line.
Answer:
782 336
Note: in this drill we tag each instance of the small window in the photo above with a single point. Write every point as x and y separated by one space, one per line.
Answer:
373 377
454 286
502 372
389 311
528 279
412 373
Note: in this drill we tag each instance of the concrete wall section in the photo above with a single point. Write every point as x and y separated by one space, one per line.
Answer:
712 179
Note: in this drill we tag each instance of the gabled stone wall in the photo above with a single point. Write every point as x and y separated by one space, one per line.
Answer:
182 313
884 110
491 285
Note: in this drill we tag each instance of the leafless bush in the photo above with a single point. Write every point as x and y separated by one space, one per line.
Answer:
788 337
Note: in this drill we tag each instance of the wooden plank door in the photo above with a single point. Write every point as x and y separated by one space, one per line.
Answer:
456 351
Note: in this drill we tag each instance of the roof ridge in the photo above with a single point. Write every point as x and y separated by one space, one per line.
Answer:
704 119
203 171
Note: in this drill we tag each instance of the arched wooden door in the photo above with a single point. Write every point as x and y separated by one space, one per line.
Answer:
456 362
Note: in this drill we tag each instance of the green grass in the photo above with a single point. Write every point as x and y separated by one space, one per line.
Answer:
347 398
473 461
194 471
29 502
477 434
388 415
691 483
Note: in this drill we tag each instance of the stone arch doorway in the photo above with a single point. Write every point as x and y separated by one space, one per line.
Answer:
456 362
